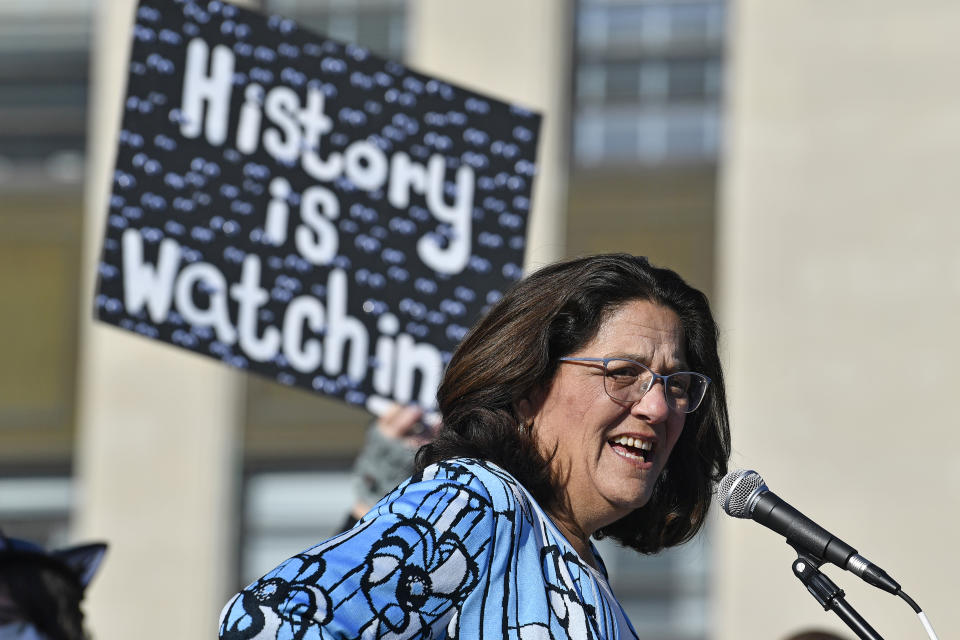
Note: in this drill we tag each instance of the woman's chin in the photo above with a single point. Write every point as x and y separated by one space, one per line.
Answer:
624 500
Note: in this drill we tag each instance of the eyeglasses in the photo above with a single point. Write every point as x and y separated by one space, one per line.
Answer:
627 381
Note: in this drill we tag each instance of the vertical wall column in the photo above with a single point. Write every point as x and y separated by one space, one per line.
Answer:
840 297
519 52
158 428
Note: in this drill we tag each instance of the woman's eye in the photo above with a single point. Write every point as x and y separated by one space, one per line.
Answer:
678 386
622 370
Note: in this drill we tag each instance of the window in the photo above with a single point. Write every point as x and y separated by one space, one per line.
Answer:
663 595
647 82
37 508
378 25
44 57
287 512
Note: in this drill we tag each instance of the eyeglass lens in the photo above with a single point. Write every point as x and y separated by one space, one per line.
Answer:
628 381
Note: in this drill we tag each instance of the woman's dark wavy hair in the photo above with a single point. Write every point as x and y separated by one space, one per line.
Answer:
514 351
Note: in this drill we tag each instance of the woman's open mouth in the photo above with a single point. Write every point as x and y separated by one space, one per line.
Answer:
632 448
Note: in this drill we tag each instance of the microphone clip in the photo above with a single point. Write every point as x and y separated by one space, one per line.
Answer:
831 597
807 569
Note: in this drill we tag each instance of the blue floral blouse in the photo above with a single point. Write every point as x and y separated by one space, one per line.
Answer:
459 551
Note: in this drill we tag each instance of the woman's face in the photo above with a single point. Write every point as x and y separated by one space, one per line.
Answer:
600 459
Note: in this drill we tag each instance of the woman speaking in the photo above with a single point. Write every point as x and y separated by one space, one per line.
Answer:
588 402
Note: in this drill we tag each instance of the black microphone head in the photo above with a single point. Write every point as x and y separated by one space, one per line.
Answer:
737 492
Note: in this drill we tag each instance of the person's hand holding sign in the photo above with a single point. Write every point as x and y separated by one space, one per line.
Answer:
406 424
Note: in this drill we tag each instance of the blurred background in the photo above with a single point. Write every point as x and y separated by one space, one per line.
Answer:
796 160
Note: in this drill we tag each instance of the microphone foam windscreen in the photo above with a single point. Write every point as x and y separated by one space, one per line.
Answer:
736 489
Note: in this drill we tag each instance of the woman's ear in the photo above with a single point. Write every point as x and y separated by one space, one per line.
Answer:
524 409
529 406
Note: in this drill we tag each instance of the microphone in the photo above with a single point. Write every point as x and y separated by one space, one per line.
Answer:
745 495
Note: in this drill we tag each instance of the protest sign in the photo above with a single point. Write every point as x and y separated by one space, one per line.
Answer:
306 210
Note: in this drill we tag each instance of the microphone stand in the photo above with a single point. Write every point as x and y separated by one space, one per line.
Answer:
831 597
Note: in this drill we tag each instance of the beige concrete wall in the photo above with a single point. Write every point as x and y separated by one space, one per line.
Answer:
518 52
840 299
157 429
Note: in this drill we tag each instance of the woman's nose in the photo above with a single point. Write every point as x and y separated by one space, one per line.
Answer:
653 405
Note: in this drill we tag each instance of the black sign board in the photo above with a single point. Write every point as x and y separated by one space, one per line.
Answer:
304 209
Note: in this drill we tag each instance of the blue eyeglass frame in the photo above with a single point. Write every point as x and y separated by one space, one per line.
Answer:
653 381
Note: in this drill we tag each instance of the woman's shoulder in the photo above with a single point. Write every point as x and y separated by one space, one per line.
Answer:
478 476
